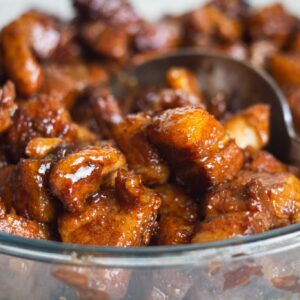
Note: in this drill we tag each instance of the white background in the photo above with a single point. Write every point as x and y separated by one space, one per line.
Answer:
151 9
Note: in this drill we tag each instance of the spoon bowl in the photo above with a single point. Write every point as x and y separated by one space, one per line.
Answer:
218 73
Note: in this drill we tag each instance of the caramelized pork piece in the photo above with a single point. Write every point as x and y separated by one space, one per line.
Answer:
32 197
24 187
13 224
196 146
165 99
118 13
271 200
160 36
282 197
285 68
207 25
68 80
77 176
141 156
225 198
8 177
272 23
123 218
7 105
34 35
69 49
112 42
40 147
106 110
109 28
43 116
238 9
250 127
97 110
177 216
183 79
262 161
84 137
16 225
229 226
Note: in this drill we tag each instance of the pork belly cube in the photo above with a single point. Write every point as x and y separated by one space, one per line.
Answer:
196 147
250 127
178 214
141 155
121 217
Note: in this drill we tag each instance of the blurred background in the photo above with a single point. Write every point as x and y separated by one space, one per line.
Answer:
153 9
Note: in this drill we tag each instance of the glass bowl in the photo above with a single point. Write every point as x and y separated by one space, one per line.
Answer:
264 266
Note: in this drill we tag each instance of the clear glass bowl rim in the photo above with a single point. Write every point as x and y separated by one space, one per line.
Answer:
65 253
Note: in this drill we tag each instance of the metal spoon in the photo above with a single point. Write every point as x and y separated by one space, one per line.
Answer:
216 73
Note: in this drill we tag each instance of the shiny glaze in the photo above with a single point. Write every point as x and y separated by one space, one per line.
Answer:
77 176
196 145
32 197
13 224
40 147
250 127
122 217
7 105
32 34
42 116
252 203
178 214
142 157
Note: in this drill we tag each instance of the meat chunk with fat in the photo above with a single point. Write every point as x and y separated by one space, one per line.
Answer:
272 23
152 100
250 127
209 26
141 155
78 175
228 226
177 216
7 105
238 9
110 41
262 161
33 35
157 37
122 217
32 197
13 224
183 79
68 80
196 147
251 203
40 147
43 116
285 68
113 12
